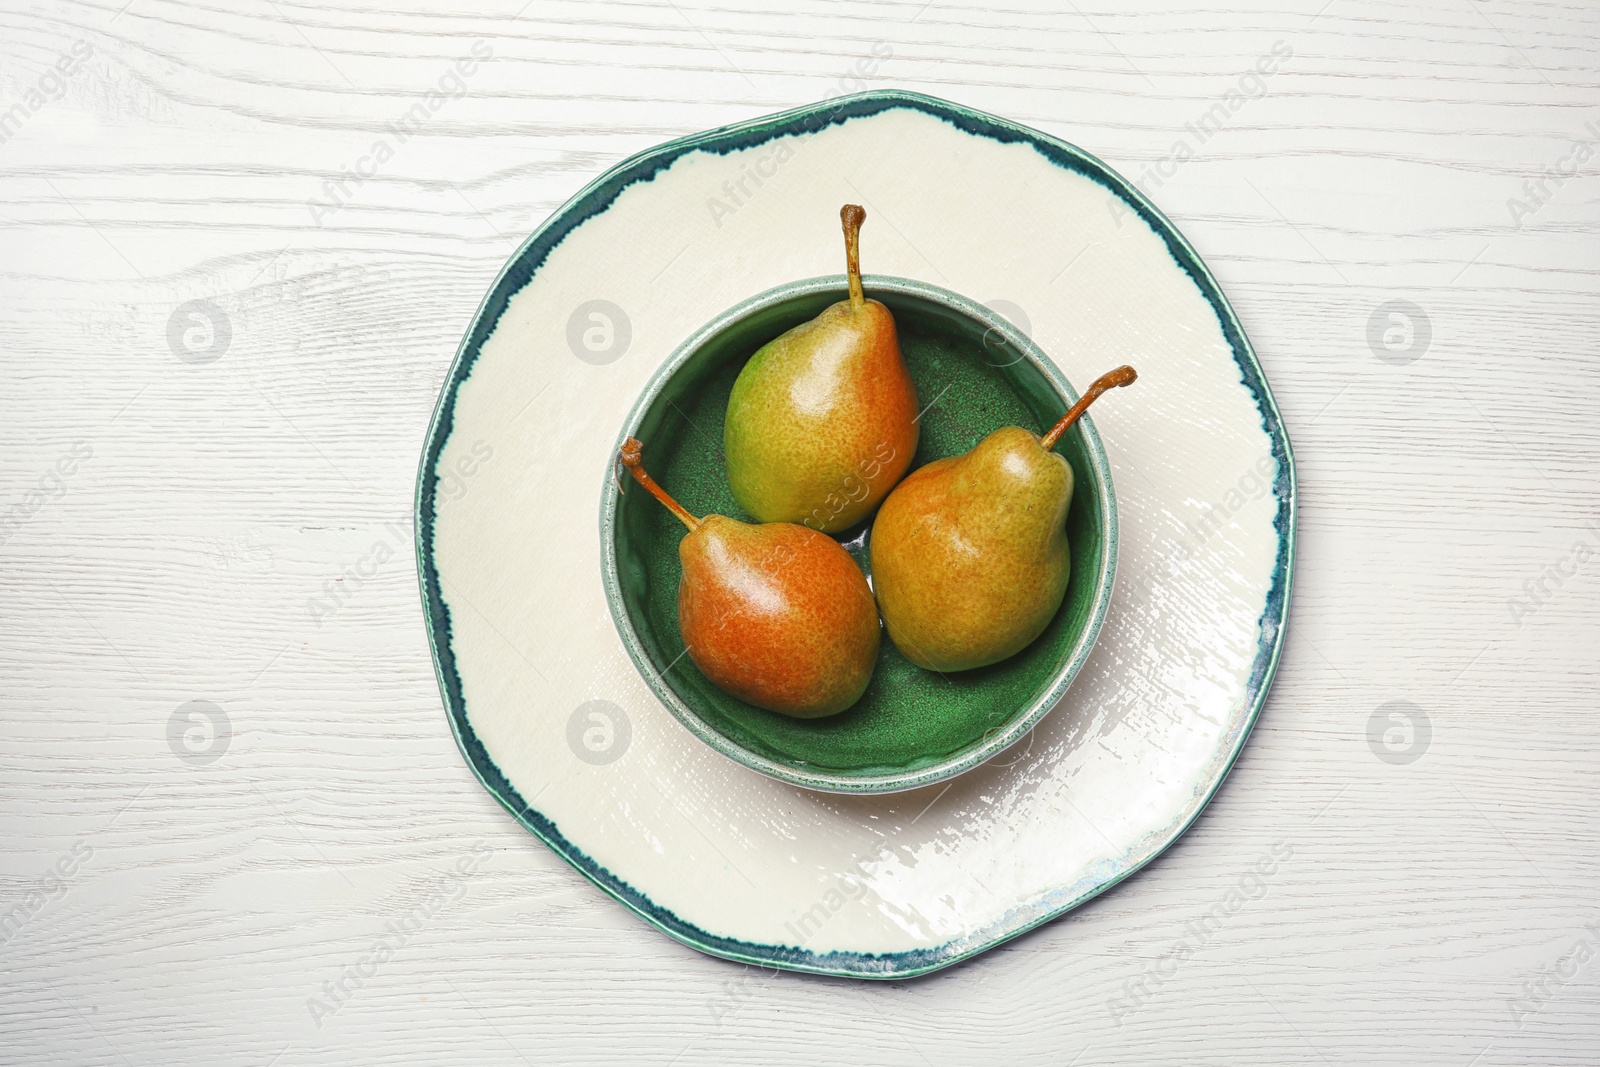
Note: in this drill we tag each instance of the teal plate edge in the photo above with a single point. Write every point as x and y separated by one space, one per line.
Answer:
595 198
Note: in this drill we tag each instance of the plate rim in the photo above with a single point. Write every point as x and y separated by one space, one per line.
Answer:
597 196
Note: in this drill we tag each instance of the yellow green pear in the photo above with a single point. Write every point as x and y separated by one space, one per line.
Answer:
969 553
822 421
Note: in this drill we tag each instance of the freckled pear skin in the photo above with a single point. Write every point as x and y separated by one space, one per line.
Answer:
775 614
969 554
822 420
803 646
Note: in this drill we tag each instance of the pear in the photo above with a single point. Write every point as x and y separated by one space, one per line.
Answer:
773 613
822 421
969 553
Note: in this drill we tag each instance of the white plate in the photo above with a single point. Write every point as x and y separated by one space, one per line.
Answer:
548 707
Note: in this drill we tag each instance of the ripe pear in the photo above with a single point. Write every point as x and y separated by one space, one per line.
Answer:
773 613
969 553
822 421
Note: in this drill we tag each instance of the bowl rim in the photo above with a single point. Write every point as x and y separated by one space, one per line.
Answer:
997 739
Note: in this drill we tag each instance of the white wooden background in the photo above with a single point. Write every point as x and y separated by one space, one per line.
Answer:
173 528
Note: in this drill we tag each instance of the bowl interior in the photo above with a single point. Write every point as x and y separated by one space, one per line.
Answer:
974 373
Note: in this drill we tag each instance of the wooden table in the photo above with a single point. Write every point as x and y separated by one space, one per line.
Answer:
241 242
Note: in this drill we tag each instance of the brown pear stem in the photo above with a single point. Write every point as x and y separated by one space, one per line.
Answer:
632 457
1103 384
853 215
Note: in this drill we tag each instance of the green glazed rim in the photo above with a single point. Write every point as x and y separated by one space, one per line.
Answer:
1017 723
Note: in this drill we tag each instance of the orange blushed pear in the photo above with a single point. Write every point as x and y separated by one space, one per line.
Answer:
773 613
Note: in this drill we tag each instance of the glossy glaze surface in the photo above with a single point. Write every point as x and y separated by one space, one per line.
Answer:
733 862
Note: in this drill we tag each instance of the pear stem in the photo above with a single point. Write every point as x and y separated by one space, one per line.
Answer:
853 215
1103 384
632 457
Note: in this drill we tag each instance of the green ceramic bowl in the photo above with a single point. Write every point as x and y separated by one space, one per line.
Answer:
975 372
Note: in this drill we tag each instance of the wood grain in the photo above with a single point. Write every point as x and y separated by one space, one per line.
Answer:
183 559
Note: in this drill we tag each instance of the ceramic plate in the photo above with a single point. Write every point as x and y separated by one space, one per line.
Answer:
556 720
